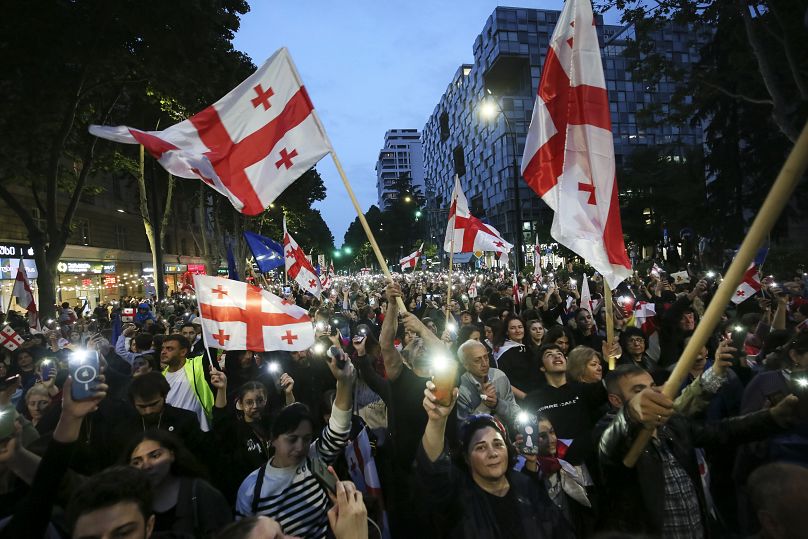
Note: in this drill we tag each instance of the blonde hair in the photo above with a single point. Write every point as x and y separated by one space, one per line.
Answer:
36 389
577 360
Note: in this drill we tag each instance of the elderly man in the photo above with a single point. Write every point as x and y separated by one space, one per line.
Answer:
483 389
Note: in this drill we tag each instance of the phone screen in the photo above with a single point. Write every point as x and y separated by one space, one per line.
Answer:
320 472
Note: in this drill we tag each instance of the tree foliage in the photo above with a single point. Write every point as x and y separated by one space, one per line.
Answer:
69 64
748 89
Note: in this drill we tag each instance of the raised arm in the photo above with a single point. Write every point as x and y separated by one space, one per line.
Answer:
434 433
393 362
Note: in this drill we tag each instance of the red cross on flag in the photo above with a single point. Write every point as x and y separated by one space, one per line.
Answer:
569 151
250 145
469 233
298 267
749 285
25 297
10 338
411 260
240 316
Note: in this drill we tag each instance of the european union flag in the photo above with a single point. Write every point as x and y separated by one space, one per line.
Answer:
268 253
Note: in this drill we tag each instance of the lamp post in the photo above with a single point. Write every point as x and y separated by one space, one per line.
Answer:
489 109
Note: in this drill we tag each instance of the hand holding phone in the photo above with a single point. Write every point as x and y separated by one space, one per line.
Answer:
84 371
325 477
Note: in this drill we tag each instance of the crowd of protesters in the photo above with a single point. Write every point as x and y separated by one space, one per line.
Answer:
176 440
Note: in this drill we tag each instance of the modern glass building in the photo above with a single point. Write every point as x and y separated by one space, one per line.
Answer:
478 127
402 155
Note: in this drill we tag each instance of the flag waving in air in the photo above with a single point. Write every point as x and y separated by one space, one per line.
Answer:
537 262
569 151
750 284
268 253
250 145
411 260
298 267
25 297
240 316
469 233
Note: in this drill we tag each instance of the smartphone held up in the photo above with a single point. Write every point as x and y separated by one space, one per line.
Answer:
85 367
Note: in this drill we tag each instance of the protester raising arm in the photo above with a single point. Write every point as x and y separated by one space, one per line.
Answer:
391 356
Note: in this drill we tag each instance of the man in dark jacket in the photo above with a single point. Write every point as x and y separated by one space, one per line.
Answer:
662 493
147 394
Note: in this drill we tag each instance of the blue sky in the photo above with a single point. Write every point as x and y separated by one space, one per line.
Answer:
369 66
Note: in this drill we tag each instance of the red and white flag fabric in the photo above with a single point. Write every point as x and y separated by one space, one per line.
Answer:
362 467
517 294
298 267
240 316
25 296
569 151
469 233
411 260
250 145
325 280
586 297
537 261
10 339
750 284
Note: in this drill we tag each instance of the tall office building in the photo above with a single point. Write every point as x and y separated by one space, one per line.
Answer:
402 155
486 152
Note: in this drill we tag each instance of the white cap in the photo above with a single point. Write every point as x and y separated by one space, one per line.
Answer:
197 321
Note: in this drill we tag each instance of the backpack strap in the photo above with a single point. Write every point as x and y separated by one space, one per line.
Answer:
259 482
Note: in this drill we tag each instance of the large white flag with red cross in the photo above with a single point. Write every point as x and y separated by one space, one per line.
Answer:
569 151
298 267
469 233
250 145
240 316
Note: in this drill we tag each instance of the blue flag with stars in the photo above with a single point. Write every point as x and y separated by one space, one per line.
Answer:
268 253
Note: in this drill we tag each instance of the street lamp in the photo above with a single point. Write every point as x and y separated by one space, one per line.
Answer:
489 109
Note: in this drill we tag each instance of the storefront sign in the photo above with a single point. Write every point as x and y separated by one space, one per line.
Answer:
197 269
222 271
8 268
86 283
15 250
110 281
176 268
96 268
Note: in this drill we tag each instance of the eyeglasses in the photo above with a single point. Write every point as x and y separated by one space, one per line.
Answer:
257 403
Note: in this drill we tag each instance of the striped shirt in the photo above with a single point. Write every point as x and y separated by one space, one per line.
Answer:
292 496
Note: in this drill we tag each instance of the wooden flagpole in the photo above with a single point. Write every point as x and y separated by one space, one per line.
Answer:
607 295
769 212
366 227
451 263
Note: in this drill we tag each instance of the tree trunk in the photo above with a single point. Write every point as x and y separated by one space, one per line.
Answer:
144 213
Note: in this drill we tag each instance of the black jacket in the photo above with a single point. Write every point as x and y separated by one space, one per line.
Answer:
240 450
636 495
183 423
450 496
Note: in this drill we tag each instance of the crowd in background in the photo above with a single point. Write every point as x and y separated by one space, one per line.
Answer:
526 439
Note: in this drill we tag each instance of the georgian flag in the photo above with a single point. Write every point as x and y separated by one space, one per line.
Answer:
537 262
241 316
569 152
750 284
250 145
298 266
10 339
362 468
25 297
325 280
411 260
469 233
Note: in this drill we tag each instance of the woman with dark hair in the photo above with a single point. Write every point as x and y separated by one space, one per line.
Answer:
285 488
480 495
242 429
514 358
183 503
560 336
465 333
